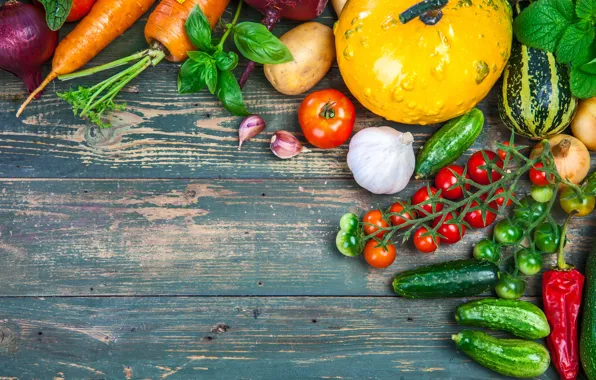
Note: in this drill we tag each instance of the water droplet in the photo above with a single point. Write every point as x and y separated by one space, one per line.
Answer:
364 41
348 52
348 33
367 92
408 83
355 20
412 104
398 94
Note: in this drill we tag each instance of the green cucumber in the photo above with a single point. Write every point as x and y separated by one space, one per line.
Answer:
459 278
449 143
587 345
509 357
520 318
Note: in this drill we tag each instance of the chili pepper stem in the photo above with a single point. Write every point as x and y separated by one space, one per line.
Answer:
561 264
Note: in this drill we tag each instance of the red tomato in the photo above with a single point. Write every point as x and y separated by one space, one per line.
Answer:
446 178
475 218
374 217
538 177
480 175
499 201
326 118
422 195
425 244
397 220
379 257
502 153
450 233
79 9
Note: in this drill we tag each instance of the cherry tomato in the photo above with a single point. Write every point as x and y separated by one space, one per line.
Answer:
450 232
374 217
547 237
397 220
570 202
422 195
487 250
348 243
377 256
478 172
538 177
326 118
499 201
528 211
507 233
509 287
79 9
425 244
501 153
542 194
529 262
446 178
349 223
478 218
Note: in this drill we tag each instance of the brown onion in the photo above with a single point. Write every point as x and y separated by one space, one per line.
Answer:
571 157
583 125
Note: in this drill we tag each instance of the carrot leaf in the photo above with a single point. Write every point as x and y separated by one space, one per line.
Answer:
56 12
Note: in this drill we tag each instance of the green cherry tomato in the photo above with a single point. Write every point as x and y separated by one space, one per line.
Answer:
547 237
349 223
571 202
487 250
542 194
507 233
509 287
348 243
529 263
528 211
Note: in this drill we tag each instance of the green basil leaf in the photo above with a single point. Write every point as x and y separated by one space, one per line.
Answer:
543 22
208 67
56 12
258 44
583 85
586 9
225 61
229 93
198 29
189 77
575 41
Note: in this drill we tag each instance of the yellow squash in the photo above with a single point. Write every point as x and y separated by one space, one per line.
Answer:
422 62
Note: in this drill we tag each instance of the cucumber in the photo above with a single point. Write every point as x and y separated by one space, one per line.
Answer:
509 357
587 345
459 278
449 143
520 318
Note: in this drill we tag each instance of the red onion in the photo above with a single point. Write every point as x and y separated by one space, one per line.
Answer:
26 41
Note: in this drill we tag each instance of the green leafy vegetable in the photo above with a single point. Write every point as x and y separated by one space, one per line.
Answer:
575 40
229 93
197 73
542 24
256 43
585 9
56 12
226 61
198 29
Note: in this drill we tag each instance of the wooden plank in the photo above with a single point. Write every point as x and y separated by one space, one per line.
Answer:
204 237
233 338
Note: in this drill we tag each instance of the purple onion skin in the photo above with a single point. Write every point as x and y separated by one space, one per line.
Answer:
26 42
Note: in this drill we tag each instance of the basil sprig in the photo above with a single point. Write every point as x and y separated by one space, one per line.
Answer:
211 67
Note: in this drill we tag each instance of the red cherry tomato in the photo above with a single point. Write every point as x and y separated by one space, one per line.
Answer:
397 220
326 118
374 217
379 257
79 9
475 218
479 174
425 244
422 195
450 233
501 153
499 201
538 177
446 178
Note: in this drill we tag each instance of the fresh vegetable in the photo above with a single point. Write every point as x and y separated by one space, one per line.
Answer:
519 318
479 172
561 295
528 261
26 42
348 240
401 216
378 256
510 357
479 218
393 55
501 153
107 20
372 220
449 143
538 175
510 287
459 278
547 237
424 198
571 157
425 242
570 202
285 145
501 200
56 11
588 332
274 10
382 159
249 128
487 250
507 233
326 118
450 230
542 194
79 9
528 211
312 46
583 125
338 5
349 222
447 179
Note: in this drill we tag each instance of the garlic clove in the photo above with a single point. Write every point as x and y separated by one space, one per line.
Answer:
249 128
285 145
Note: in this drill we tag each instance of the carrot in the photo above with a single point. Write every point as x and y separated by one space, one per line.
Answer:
107 20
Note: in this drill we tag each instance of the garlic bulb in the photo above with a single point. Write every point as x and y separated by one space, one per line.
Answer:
382 159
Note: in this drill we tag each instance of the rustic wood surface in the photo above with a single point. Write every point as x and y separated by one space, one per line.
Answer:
156 249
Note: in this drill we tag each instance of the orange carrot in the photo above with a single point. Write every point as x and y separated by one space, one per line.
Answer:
107 20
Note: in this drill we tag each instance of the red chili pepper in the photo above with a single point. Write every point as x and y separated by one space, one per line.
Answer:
562 294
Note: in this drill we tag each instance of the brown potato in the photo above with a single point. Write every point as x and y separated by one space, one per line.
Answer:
313 46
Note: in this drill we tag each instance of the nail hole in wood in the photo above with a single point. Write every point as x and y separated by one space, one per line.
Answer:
260 283
39 333
410 319
263 194
314 321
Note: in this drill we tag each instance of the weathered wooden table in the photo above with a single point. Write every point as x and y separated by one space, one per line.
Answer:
156 249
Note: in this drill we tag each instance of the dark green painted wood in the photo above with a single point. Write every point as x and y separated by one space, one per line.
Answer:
266 338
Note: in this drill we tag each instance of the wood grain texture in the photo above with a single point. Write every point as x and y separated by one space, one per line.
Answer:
200 237
233 338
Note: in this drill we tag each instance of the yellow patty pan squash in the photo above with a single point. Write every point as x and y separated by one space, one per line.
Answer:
422 62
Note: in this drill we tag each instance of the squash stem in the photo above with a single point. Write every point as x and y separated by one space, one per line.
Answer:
419 9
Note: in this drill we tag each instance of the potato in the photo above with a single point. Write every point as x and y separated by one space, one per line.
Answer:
313 46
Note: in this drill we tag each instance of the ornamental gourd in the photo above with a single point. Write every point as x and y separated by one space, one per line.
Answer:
422 62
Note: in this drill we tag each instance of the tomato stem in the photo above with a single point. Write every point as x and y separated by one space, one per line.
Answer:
561 264
328 112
